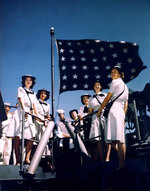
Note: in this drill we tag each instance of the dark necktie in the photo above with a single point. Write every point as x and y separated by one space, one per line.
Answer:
96 95
29 92
85 109
101 95
42 103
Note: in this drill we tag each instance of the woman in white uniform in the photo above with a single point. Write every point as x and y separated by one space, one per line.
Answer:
116 116
43 110
94 104
83 111
26 100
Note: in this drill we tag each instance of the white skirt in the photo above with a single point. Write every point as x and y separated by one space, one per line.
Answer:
29 126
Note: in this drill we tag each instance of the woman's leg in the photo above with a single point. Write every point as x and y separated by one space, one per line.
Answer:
121 154
29 145
17 149
108 150
99 150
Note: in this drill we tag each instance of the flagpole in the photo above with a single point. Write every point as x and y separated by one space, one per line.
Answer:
52 32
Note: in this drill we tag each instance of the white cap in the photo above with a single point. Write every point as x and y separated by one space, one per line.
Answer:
59 111
118 65
7 104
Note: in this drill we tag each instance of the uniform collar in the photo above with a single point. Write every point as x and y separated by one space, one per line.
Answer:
99 94
42 102
28 90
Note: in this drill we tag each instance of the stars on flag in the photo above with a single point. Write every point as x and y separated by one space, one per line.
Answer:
75 76
82 62
74 67
64 77
84 67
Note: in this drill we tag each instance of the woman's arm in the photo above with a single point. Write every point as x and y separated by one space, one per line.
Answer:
21 104
34 109
105 102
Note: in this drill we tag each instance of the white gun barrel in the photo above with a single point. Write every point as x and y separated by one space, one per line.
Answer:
40 149
81 145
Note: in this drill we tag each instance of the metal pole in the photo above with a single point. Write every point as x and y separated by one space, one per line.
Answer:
22 140
52 32
102 126
136 123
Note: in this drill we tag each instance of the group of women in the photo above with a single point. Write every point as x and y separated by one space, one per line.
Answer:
113 127
36 105
35 112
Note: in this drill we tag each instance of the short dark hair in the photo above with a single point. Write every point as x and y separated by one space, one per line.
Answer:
32 78
43 90
120 71
70 112
83 97
97 81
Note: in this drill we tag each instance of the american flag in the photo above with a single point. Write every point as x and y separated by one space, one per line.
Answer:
82 62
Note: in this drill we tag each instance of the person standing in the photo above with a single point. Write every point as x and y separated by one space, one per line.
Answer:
83 111
116 117
95 132
74 116
26 101
5 124
76 123
43 111
62 131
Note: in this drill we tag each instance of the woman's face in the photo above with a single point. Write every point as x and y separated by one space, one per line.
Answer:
115 74
43 95
86 100
7 108
97 87
28 82
74 115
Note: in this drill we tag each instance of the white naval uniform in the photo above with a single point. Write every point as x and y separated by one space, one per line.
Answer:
61 129
27 101
43 109
116 116
5 125
95 125
81 111
82 114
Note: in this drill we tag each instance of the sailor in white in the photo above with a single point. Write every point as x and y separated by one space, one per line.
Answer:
5 148
62 131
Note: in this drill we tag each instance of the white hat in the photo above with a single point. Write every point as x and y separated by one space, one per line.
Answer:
7 104
59 111
118 65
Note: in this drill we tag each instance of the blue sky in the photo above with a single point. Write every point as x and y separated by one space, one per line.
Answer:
25 39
